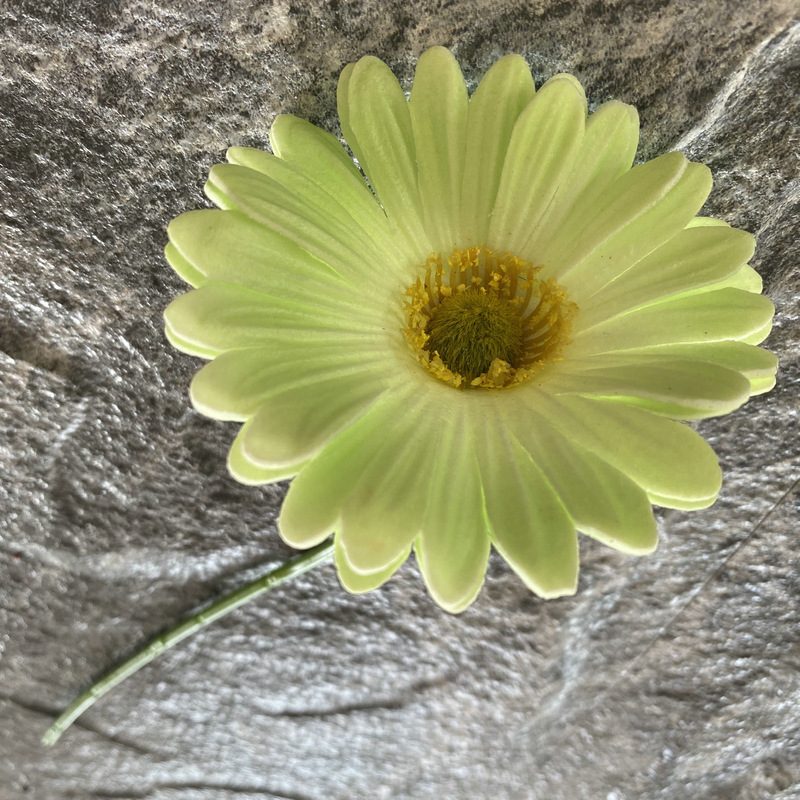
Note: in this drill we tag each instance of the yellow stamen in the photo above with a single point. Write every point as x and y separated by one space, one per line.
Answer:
481 319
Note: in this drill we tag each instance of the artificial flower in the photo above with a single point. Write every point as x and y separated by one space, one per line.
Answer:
490 338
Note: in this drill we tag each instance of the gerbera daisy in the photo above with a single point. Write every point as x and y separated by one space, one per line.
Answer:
488 338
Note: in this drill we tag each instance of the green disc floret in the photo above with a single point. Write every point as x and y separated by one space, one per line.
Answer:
470 329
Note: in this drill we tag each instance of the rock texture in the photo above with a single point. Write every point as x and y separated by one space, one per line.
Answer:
675 677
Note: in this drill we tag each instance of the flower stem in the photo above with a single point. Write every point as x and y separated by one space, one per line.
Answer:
218 608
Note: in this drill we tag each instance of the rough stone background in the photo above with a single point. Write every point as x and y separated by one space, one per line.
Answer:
671 677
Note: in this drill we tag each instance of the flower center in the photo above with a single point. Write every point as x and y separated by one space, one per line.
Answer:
484 319
470 329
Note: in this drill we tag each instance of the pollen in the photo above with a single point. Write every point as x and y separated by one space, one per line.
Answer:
481 319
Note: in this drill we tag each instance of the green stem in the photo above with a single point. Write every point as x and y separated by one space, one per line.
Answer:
219 608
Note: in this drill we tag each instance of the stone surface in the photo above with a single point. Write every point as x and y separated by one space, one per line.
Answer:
666 678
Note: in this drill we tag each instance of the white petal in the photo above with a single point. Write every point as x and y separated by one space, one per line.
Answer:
226 246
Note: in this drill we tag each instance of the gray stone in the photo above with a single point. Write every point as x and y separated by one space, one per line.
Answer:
674 677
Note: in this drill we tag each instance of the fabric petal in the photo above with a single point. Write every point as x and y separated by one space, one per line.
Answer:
223 316
652 229
295 421
745 278
672 463
226 246
319 156
494 108
704 222
283 199
606 153
453 549
182 267
543 146
356 583
703 317
602 502
527 522
236 383
247 472
675 388
377 125
694 258
637 213
383 511
312 507
757 365
438 108
187 346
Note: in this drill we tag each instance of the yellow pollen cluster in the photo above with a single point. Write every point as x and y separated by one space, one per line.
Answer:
484 319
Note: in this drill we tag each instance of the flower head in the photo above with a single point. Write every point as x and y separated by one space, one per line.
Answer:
490 341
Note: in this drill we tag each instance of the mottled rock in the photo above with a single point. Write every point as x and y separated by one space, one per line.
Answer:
668 678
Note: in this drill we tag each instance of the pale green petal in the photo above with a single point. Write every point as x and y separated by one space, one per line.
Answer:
695 257
498 101
603 502
224 316
235 384
226 246
666 458
704 317
438 108
320 157
757 365
606 153
182 267
527 522
312 508
383 512
621 204
745 278
453 549
187 346
245 471
541 153
701 222
636 214
218 197
676 388
296 420
377 125
286 201
356 583
642 234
